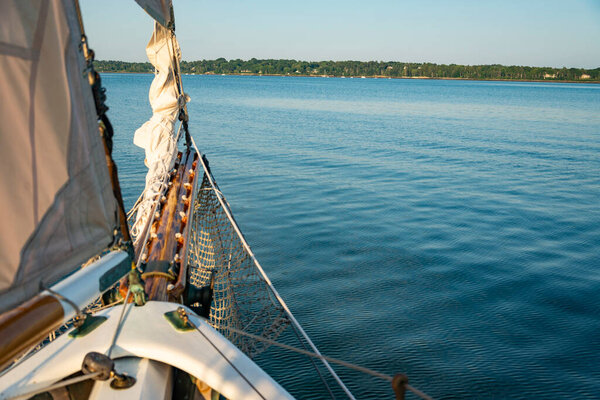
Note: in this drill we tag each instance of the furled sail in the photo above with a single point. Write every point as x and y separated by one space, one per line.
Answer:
157 136
57 204
160 10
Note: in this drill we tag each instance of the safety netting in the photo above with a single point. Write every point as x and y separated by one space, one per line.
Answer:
242 298
245 307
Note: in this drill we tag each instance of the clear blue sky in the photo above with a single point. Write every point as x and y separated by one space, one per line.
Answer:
552 33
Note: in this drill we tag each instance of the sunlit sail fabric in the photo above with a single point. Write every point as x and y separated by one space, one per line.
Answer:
160 10
57 205
157 135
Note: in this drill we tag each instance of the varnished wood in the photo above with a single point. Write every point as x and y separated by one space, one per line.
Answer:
156 288
184 195
28 324
189 184
170 225
156 247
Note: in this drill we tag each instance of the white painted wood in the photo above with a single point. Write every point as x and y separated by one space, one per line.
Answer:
83 286
154 381
145 333
280 300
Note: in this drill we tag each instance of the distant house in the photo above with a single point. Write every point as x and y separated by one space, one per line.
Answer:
549 76
584 76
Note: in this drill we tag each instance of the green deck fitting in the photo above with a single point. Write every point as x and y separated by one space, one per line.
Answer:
177 322
91 322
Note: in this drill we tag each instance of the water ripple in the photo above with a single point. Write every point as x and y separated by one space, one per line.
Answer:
449 230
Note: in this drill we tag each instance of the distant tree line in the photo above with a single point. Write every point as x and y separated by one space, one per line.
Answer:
391 69
122 66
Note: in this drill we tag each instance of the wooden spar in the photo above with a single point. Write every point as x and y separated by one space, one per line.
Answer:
190 182
167 239
156 285
28 324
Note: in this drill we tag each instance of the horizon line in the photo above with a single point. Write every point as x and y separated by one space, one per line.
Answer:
348 60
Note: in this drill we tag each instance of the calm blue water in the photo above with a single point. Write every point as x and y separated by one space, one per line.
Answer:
446 229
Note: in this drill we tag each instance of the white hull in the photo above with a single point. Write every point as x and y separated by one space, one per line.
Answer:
146 334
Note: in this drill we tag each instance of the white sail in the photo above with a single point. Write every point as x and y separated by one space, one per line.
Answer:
57 205
157 135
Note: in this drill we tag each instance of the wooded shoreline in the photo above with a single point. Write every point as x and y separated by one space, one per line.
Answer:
370 69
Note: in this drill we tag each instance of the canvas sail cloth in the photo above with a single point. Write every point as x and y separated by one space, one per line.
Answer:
57 205
157 136
160 10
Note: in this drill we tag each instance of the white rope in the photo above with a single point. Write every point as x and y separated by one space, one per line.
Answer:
214 189
268 281
136 205
223 355
343 363
60 297
119 323
315 355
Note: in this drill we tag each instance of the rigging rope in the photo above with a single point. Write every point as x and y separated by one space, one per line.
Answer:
119 323
59 296
223 355
264 276
140 203
320 356
312 360
183 117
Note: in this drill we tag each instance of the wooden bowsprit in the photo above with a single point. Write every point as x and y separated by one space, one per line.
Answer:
163 256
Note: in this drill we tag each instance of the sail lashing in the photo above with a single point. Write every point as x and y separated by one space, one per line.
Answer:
157 136
58 207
